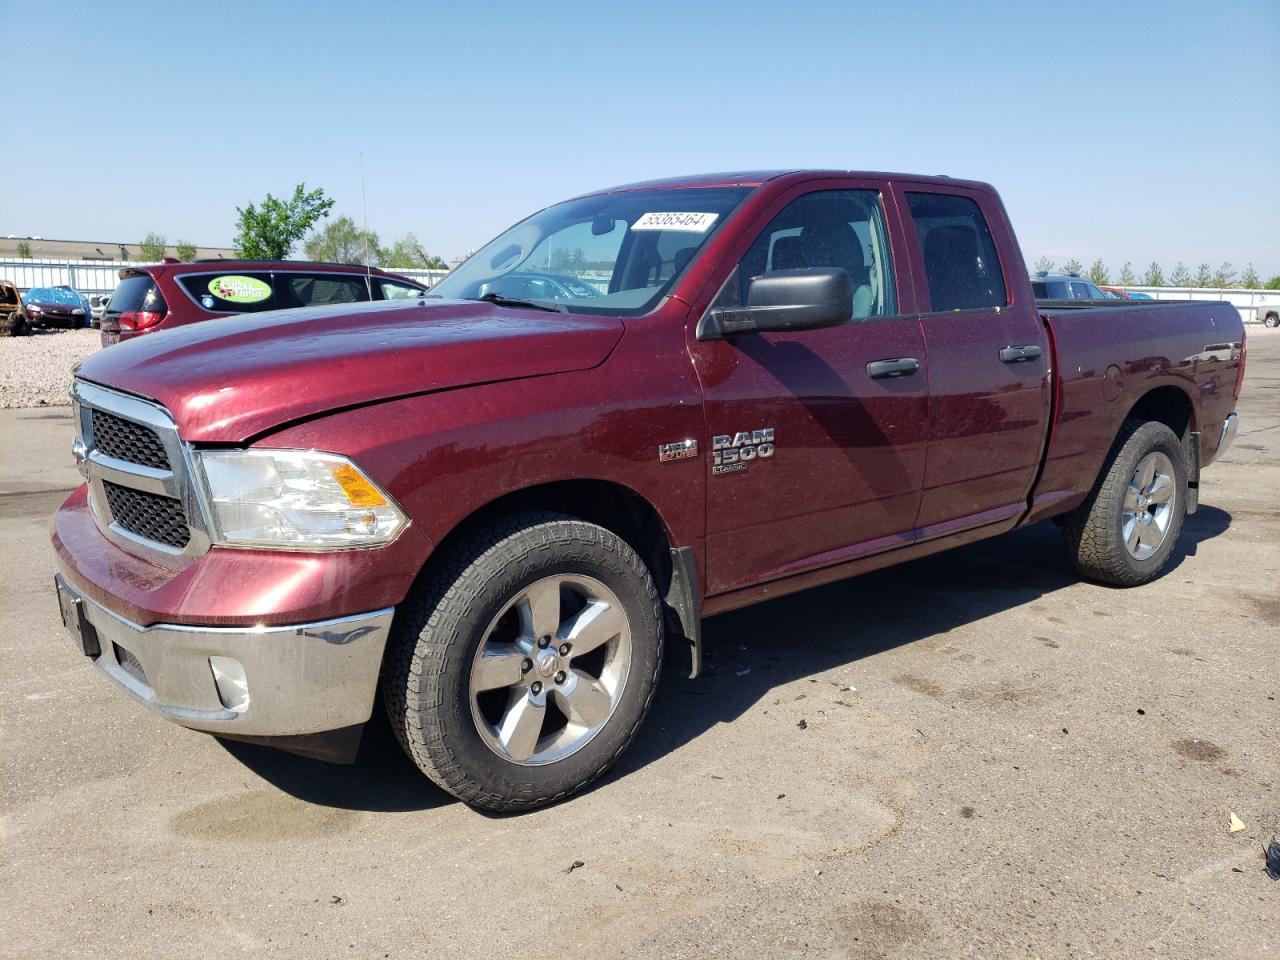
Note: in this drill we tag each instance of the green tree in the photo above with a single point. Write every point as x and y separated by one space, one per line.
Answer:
1072 266
269 231
1273 283
152 247
408 252
1181 276
1249 279
1224 276
1203 276
186 251
1044 264
1127 277
341 241
1099 273
24 250
1154 277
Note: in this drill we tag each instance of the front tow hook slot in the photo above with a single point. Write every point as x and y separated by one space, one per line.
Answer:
232 684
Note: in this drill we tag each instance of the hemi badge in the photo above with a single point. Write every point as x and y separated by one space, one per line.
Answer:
680 450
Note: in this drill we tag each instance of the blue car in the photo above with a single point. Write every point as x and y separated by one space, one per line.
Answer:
61 306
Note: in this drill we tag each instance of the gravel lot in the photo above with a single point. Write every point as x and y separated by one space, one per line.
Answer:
972 755
35 371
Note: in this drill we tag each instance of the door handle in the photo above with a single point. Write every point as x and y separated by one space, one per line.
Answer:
1020 354
901 367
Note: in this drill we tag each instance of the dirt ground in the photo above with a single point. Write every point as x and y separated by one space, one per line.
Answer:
973 755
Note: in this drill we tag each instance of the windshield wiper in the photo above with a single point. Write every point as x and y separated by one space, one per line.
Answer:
500 300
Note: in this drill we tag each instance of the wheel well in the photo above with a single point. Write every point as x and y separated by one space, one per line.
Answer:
610 505
1167 405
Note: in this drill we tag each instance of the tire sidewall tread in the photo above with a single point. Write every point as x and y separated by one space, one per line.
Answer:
1093 531
440 625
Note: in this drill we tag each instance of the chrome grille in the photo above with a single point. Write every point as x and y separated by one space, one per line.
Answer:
128 441
140 488
147 515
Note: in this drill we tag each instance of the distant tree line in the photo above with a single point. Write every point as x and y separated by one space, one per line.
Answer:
270 230
1154 276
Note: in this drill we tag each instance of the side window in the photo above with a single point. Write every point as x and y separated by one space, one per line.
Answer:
1080 291
319 289
829 228
397 291
960 261
231 292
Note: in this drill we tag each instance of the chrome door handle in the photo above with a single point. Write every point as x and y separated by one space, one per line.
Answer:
901 367
1020 354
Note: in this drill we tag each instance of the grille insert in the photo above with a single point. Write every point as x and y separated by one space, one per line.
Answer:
148 515
128 441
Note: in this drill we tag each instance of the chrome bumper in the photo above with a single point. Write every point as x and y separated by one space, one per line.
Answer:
1228 434
256 681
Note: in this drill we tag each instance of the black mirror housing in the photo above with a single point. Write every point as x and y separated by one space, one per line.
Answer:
809 298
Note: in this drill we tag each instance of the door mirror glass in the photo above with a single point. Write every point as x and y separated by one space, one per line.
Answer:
807 298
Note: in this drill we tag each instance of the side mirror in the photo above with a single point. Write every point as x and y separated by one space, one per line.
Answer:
806 299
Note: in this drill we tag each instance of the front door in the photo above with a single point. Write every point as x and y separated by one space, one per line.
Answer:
815 447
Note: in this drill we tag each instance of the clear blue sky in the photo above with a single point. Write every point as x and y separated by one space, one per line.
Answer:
1129 134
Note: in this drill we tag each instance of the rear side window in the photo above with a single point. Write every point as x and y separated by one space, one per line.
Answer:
231 292
319 289
960 261
397 291
136 293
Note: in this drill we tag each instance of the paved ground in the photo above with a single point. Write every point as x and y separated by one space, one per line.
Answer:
1027 766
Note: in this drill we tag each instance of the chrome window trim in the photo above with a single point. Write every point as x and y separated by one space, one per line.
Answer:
180 482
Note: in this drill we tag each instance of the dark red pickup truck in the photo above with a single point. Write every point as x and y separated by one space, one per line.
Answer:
629 411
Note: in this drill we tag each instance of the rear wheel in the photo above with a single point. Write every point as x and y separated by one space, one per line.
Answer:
1272 320
523 664
1127 529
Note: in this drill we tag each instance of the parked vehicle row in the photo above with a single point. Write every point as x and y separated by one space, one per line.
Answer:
498 501
172 294
168 295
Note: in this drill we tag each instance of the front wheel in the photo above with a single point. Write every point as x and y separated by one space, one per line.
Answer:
523 663
1124 533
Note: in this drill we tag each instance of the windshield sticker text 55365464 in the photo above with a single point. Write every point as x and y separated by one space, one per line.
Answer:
687 222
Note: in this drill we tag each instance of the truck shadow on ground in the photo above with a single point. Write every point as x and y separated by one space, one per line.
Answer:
778 642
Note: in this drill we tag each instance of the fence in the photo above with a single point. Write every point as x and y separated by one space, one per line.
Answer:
101 276
1254 305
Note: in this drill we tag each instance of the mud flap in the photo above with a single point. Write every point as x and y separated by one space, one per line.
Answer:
684 596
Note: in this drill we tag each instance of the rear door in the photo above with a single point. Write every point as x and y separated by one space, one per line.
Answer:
815 454
989 383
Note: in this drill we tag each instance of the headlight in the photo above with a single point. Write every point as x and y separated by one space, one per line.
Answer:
296 498
77 312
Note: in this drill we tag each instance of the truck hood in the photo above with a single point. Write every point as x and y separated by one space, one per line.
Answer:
233 378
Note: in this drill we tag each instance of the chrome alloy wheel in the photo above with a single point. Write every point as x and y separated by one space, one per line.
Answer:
551 669
1148 507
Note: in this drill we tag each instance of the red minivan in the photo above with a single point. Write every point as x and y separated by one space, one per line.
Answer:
167 295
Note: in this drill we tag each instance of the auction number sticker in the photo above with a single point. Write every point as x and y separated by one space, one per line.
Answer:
236 289
688 222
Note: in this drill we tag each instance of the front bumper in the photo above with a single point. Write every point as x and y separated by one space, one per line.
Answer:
277 681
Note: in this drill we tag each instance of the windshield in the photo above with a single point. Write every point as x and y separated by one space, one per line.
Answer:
615 254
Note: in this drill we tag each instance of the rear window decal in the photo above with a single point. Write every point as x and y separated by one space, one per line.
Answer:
236 289
687 222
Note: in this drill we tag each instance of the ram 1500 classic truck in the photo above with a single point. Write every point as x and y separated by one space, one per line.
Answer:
629 411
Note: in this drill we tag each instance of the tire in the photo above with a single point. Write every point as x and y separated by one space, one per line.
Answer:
1103 545
1272 320
18 326
487 591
